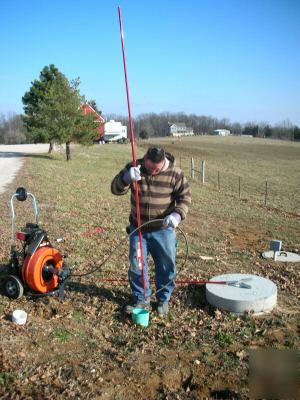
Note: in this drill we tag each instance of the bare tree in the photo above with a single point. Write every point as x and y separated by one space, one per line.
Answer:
158 125
12 129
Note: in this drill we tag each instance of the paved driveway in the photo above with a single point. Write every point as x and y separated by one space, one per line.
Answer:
11 160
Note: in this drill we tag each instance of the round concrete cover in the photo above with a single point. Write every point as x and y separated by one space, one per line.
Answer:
238 298
285 256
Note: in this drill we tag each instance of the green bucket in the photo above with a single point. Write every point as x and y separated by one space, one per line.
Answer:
140 316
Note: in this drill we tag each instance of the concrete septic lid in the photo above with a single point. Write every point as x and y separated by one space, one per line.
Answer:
261 297
285 256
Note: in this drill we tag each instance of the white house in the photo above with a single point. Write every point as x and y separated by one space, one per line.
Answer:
180 129
221 132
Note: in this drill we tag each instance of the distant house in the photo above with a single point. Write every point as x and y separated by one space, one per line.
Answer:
180 129
87 109
221 132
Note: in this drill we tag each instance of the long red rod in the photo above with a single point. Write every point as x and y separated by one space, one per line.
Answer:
140 256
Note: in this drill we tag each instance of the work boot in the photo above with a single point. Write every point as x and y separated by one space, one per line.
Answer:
163 308
138 304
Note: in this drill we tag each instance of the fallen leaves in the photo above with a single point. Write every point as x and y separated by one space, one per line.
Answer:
85 347
93 231
241 355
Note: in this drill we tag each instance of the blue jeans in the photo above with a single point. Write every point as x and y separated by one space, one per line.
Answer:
161 244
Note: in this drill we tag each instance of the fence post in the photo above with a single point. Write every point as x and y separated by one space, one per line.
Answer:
203 172
266 193
239 187
219 186
192 168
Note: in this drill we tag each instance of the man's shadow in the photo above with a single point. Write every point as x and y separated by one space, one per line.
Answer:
115 295
194 296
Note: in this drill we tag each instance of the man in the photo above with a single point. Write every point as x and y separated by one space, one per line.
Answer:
164 193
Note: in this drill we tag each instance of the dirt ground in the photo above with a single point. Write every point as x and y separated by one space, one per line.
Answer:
85 347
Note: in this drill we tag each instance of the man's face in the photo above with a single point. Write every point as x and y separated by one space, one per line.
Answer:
153 168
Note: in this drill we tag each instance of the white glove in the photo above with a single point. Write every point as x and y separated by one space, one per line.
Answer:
172 220
133 175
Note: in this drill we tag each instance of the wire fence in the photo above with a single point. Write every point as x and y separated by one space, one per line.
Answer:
267 192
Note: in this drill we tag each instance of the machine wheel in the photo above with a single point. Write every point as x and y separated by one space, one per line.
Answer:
38 269
13 287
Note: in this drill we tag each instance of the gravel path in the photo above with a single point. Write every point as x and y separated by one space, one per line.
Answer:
11 160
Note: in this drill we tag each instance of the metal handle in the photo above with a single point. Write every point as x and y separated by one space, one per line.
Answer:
13 215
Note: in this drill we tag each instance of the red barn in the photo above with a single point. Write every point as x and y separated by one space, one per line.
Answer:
87 109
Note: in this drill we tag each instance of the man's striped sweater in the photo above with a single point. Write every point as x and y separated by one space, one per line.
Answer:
159 195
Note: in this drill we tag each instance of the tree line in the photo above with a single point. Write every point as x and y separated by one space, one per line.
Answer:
157 125
12 129
53 114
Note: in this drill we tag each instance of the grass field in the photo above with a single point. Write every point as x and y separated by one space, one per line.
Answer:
84 347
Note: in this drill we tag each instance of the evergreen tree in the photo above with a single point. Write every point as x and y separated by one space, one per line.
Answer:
93 104
296 133
251 130
34 98
267 131
59 117
144 134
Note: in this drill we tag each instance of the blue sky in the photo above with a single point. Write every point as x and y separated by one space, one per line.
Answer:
228 59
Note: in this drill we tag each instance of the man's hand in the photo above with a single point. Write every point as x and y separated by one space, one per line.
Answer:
172 220
132 175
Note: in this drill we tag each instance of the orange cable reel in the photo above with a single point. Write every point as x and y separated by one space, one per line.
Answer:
38 268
